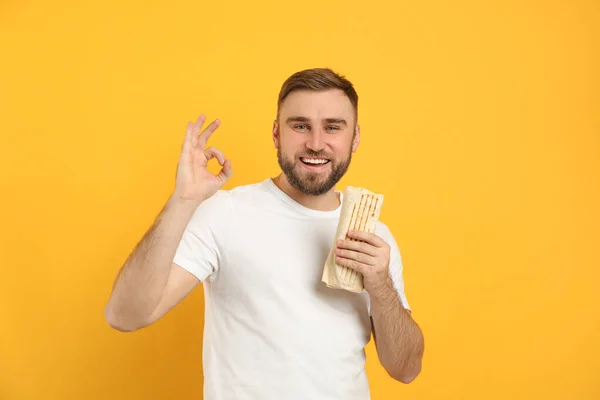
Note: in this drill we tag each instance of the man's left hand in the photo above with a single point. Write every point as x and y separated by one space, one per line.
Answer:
369 255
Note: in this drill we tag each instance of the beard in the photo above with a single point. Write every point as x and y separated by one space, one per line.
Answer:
312 183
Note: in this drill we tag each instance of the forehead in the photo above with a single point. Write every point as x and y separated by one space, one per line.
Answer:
332 103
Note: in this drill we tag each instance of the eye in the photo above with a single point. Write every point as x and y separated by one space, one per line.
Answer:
333 128
301 127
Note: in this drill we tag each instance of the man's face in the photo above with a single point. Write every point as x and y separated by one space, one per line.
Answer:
315 137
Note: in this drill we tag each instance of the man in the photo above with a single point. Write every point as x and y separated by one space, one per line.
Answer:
273 329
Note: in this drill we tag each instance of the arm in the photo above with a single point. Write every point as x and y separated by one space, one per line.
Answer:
398 338
149 283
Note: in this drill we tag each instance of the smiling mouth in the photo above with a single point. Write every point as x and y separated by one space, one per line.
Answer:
314 161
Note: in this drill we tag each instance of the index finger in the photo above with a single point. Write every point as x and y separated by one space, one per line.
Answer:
206 133
367 237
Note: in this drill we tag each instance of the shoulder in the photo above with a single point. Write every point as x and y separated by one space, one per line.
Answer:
224 200
230 195
252 196
382 230
247 191
219 201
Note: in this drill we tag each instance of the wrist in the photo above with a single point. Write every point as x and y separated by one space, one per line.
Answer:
182 204
385 294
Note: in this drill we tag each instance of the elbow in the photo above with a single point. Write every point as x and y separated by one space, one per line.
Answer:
406 375
117 323
406 378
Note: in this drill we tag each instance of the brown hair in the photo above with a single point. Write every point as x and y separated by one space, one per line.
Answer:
318 79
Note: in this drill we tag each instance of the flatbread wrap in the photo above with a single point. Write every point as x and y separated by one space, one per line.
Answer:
360 211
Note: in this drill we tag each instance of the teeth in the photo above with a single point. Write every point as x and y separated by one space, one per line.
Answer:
314 160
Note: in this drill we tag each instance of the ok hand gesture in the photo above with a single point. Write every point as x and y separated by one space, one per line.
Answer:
194 181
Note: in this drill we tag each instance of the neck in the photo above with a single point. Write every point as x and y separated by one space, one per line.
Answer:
325 202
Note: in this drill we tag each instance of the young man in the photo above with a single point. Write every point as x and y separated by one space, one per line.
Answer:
273 329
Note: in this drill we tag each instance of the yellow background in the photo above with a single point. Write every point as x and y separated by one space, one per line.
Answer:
480 124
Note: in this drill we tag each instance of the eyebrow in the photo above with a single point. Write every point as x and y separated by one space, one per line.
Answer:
327 120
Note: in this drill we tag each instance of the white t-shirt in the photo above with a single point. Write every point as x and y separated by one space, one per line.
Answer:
273 330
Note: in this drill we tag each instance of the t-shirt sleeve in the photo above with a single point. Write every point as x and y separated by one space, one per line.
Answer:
201 247
396 267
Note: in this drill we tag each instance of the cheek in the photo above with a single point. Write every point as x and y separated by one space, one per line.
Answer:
340 148
291 143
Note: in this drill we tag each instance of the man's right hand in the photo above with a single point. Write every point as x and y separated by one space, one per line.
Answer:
194 181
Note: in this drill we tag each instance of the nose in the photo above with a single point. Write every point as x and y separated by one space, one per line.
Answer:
316 141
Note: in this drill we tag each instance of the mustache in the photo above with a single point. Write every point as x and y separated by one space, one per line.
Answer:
316 154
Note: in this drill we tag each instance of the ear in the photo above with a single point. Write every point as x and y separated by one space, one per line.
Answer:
356 140
275 134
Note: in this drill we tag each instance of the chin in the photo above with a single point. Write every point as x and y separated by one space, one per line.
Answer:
314 187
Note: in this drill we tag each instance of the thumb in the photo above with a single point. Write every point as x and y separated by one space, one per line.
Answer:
226 171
